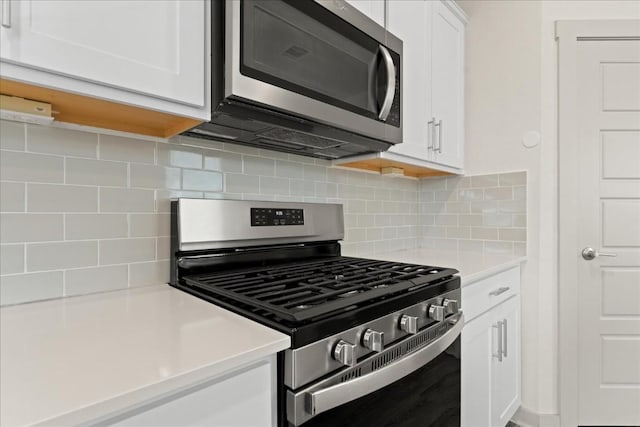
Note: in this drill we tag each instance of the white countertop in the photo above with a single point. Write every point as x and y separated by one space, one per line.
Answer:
72 360
473 266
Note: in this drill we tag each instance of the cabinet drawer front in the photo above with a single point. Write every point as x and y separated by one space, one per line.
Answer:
484 294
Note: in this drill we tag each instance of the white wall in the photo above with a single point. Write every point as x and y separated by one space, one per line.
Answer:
511 88
502 104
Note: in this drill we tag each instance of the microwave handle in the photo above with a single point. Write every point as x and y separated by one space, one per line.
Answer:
323 400
391 83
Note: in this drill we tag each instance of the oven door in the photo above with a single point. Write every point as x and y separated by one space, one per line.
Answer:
413 383
307 58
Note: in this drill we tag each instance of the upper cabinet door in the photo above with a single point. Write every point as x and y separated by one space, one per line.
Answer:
407 19
374 9
154 47
447 80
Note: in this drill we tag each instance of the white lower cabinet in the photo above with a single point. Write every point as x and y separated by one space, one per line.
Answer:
245 398
491 359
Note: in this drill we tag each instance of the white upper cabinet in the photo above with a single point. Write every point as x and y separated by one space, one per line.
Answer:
153 48
447 80
406 20
374 9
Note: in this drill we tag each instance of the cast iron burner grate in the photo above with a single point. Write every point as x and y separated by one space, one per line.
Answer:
307 290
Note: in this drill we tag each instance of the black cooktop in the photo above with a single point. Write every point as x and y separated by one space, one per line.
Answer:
312 299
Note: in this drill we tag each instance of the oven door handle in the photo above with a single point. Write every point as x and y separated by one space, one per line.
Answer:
328 398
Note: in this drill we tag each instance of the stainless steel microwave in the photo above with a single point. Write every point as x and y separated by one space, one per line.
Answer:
314 78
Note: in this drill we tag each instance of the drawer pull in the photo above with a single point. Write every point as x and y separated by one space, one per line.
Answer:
499 291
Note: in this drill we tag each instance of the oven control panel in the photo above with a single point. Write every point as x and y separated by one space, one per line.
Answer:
271 217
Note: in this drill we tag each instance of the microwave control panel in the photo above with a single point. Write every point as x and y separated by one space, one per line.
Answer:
271 217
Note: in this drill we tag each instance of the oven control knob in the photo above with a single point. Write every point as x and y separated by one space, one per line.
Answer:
436 312
345 353
450 306
373 340
409 324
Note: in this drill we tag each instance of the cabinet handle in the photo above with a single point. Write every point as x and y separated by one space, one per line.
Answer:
6 13
439 126
499 291
498 326
431 137
504 333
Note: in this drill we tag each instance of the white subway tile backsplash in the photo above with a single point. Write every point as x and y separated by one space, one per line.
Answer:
271 185
150 225
239 183
444 219
520 193
483 181
498 193
61 255
179 155
512 206
326 189
126 200
65 142
259 165
30 167
61 198
519 220
96 279
12 135
498 247
22 288
470 220
11 259
315 173
298 187
151 176
458 232
497 220
96 172
458 208
198 180
163 248
12 196
287 169
18 228
484 233
148 273
513 179
126 149
484 207
513 234
95 226
125 236
121 251
222 161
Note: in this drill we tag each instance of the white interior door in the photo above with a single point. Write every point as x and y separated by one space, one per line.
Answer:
608 220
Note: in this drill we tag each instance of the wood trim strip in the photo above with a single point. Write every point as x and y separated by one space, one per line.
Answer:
377 164
87 111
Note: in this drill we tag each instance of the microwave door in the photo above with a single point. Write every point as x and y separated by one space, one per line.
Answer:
297 56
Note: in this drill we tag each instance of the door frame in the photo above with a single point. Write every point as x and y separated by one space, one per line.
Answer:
569 34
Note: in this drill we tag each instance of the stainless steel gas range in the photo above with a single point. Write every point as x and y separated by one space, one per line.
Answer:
374 343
